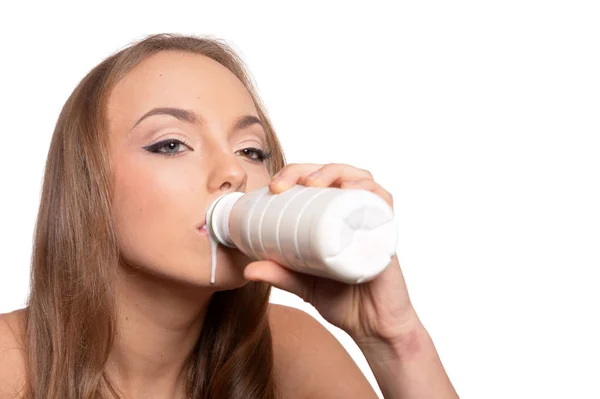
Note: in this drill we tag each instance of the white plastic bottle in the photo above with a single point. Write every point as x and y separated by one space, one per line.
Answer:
348 235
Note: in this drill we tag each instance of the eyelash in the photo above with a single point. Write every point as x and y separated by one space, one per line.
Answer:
262 156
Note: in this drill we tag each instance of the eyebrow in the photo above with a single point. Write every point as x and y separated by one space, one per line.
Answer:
188 116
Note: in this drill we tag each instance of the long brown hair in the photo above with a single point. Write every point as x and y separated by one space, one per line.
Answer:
71 310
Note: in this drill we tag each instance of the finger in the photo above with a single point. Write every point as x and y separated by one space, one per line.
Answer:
281 277
335 174
290 175
297 169
370 185
325 176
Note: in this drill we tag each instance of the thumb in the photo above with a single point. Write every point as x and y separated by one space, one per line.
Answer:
280 277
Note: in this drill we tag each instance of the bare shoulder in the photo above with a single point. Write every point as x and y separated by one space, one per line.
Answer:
12 354
309 361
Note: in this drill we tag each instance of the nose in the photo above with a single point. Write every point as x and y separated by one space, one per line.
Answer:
226 173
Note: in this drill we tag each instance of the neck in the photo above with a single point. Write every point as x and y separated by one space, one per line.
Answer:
158 325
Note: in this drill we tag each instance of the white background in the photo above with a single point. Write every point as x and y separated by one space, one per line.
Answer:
482 118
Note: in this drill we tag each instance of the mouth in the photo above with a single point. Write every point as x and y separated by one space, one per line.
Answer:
201 227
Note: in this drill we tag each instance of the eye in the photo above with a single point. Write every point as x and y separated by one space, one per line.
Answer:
259 155
169 144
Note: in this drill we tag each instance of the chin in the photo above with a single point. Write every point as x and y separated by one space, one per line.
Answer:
229 273
192 271
230 270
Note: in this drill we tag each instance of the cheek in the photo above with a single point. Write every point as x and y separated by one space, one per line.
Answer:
257 179
156 209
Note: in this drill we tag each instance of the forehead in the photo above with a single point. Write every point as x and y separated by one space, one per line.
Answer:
178 79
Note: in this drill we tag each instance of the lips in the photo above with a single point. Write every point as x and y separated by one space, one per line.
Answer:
202 225
202 230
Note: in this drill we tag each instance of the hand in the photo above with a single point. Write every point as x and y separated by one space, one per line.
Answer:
378 309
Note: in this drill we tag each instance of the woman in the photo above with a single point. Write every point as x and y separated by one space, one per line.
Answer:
121 303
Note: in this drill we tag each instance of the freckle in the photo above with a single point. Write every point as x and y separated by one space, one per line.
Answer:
161 74
126 318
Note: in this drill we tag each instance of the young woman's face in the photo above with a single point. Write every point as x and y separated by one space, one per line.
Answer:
162 191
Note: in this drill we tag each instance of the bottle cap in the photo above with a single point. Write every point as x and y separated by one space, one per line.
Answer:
217 218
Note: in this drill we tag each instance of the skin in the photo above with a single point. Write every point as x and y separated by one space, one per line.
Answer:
163 288
160 201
